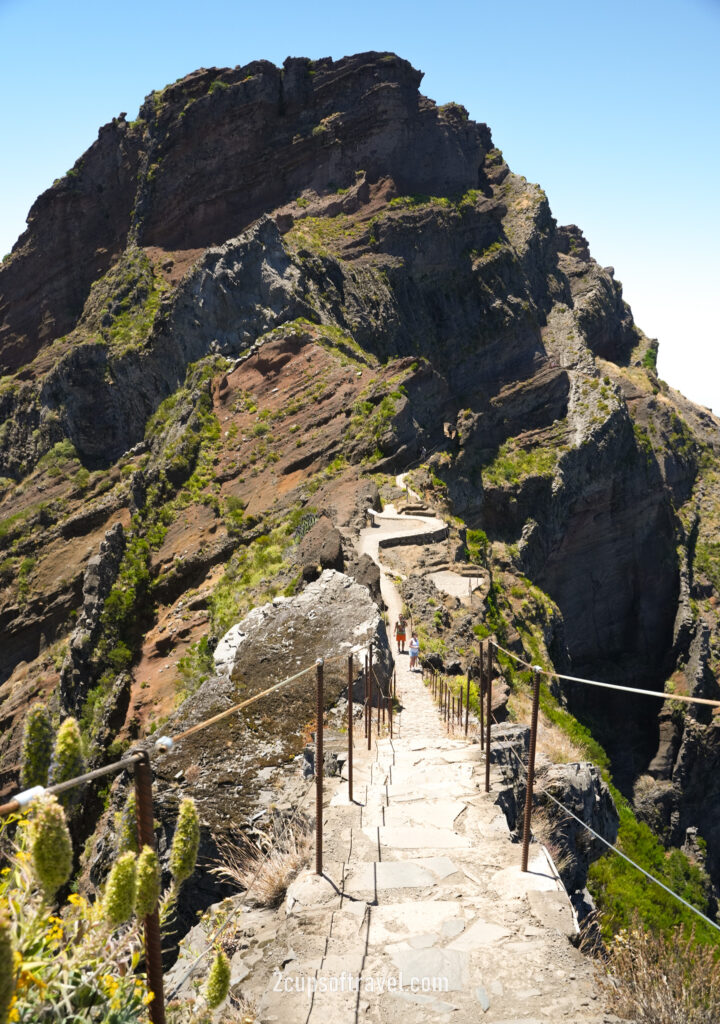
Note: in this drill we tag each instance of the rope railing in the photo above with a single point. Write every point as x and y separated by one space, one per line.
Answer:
140 762
608 686
441 692
611 846
27 796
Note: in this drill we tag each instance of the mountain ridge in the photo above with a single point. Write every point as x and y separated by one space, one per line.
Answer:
269 293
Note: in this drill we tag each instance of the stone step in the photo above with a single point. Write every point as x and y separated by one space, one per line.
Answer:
406 837
436 813
375 878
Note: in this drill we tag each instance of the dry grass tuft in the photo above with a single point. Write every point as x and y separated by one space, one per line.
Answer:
265 876
644 786
552 742
544 829
657 979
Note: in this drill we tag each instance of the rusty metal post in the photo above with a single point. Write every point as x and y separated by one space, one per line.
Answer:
370 697
390 708
365 708
146 837
381 704
319 769
467 702
530 770
488 679
350 728
481 694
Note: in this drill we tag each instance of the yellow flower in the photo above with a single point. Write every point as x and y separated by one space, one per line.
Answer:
110 984
148 998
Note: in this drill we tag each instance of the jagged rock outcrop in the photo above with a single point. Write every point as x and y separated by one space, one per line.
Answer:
580 788
277 132
100 575
368 288
320 549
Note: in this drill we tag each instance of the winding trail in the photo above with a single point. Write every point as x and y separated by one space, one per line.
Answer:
422 903
422 914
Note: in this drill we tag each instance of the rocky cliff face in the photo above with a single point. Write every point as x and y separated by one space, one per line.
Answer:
258 301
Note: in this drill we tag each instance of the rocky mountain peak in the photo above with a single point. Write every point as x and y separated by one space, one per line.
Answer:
271 301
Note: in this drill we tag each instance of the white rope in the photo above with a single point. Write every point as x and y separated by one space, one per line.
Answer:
610 686
614 849
625 857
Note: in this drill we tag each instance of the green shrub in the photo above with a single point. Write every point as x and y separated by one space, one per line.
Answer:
477 546
649 360
513 464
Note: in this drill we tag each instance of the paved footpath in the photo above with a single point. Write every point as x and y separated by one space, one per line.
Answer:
422 913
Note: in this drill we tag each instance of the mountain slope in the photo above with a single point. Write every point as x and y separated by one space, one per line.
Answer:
261 299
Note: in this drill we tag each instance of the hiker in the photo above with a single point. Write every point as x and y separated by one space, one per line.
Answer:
414 651
400 628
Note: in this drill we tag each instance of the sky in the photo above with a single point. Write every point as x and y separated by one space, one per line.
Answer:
613 108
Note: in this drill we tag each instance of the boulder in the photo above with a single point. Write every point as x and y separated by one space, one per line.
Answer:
367 574
233 762
320 548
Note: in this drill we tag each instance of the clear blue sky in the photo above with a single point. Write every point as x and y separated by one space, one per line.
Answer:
612 107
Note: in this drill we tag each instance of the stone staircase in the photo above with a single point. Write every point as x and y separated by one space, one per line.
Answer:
422 913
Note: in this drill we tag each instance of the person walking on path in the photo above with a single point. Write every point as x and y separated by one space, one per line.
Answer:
400 633
414 651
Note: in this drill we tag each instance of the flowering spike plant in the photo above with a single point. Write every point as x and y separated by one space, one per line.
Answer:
67 759
120 890
126 823
148 882
218 982
184 850
69 963
50 845
37 747
7 966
